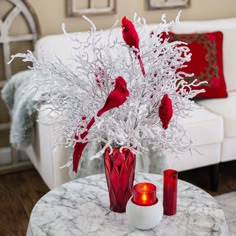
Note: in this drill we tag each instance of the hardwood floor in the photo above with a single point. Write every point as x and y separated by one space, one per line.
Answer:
20 191
200 178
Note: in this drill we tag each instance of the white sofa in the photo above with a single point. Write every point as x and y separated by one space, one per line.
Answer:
212 128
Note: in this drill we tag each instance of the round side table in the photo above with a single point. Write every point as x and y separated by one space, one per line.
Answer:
81 207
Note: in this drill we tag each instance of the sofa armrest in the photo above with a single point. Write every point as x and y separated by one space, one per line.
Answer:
46 159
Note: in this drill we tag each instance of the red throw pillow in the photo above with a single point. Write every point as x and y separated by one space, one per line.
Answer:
206 62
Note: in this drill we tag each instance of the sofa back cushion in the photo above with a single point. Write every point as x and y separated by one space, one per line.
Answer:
62 47
54 46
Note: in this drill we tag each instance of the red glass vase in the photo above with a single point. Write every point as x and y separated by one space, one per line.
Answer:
170 180
119 168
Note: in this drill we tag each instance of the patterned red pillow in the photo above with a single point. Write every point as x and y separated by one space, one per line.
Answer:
206 62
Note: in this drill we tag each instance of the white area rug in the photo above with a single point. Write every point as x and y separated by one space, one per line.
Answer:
228 203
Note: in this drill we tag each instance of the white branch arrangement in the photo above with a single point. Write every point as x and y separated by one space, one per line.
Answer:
77 92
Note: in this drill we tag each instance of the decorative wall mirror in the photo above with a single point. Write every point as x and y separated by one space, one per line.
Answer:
163 4
90 7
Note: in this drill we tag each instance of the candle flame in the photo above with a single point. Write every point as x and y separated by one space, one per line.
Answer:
144 197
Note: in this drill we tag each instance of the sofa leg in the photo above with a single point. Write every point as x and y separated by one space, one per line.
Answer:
214 175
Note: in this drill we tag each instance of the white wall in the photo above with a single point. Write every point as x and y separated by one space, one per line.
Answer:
52 13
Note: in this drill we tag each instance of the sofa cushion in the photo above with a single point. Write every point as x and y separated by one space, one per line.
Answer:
62 47
228 28
206 62
204 25
226 109
228 150
201 124
206 148
203 155
229 58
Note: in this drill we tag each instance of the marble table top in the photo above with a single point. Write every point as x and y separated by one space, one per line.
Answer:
81 207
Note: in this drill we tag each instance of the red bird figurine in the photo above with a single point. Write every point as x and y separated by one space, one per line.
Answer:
131 38
115 99
165 111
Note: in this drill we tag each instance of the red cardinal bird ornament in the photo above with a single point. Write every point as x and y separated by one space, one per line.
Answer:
115 99
131 38
129 33
165 111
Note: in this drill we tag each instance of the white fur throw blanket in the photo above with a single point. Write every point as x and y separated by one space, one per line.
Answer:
22 102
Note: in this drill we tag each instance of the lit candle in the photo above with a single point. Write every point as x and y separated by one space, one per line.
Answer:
170 191
144 211
144 194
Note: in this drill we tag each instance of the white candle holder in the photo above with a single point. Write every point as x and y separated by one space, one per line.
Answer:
144 217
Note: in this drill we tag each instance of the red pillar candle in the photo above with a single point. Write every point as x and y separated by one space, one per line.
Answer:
170 191
144 194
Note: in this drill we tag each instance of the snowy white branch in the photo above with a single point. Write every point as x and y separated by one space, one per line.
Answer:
77 92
